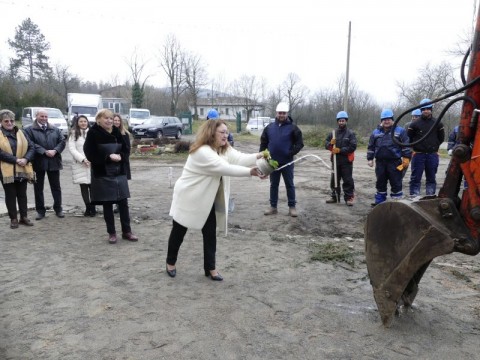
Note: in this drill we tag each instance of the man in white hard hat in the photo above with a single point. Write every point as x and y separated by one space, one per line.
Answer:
283 139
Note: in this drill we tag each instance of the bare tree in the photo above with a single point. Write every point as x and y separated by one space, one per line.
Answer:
137 67
294 92
249 91
172 62
195 78
62 81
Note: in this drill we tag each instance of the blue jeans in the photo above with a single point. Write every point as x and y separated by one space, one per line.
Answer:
428 163
287 173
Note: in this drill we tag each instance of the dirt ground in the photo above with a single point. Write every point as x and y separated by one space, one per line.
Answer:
67 294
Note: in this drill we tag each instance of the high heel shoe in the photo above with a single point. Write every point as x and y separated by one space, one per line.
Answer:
171 273
217 277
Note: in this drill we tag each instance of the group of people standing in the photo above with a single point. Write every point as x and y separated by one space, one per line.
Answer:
415 145
100 166
200 197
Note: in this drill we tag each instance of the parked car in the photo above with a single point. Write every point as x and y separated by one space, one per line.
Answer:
158 126
55 117
258 123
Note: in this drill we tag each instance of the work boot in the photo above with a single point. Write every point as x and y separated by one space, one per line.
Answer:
349 201
332 200
25 221
292 212
270 211
13 224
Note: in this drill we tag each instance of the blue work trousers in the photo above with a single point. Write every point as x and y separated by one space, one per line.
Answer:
387 172
427 162
287 174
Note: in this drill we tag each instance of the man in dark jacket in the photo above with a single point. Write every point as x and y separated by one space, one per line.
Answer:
49 144
283 139
390 157
425 153
342 147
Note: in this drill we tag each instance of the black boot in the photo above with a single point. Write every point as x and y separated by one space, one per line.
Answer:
92 210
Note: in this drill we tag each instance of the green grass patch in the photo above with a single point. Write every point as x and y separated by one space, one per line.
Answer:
332 252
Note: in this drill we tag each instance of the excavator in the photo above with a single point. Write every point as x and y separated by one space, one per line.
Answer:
403 237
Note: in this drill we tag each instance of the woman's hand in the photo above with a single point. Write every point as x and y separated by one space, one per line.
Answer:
86 163
22 162
115 157
256 172
260 155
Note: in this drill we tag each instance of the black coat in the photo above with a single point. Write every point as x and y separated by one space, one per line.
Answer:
50 139
108 178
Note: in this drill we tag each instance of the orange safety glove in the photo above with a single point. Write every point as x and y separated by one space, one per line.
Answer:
405 162
333 141
335 150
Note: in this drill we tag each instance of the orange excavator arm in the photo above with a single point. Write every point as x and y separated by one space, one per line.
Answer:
403 237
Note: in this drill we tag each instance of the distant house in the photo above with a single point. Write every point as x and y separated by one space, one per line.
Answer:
116 99
117 105
227 105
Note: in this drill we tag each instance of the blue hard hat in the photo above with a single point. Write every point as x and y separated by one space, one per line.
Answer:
342 115
386 114
426 101
416 112
212 114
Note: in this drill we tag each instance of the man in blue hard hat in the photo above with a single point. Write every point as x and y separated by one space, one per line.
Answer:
414 116
425 154
342 147
390 157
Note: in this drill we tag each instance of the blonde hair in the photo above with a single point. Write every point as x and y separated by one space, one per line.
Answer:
103 113
206 136
122 128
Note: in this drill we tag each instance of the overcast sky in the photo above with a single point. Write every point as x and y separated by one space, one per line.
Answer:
391 40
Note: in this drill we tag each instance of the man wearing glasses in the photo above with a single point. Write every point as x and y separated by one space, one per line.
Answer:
425 153
283 139
49 144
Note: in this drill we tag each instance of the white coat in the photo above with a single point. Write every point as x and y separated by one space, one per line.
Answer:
80 173
205 181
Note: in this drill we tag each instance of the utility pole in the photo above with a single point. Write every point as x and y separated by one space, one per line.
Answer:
345 97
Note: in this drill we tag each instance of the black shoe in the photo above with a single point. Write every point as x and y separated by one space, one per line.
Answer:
171 273
332 200
60 214
217 277
39 216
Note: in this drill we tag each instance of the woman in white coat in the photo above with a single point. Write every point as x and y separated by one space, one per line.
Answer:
201 194
80 165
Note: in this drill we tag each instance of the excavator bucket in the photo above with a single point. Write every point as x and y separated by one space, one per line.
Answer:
401 239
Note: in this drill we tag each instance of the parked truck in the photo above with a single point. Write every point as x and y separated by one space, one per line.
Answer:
137 116
83 104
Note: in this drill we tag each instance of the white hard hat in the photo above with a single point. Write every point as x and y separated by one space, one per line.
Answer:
282 107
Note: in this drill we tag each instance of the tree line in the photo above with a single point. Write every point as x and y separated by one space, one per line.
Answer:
31 79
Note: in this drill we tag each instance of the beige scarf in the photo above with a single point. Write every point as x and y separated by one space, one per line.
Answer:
8 169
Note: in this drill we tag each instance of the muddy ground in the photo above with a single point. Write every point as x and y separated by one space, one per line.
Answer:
67 294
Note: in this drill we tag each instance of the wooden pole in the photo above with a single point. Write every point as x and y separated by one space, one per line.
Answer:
347 72
335 176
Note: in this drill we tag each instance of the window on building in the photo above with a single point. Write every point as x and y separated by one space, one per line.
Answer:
227 111
201 112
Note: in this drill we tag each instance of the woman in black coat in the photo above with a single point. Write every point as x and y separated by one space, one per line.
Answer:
107 151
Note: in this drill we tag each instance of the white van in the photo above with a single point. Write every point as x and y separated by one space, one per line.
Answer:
137 116
55 117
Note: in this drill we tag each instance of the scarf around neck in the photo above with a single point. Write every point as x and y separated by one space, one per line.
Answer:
12 171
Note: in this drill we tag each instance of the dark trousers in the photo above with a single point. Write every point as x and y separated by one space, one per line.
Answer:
54 180
85 191
287 174
209 232
16 191
124 216
344 173
428 163
387 172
